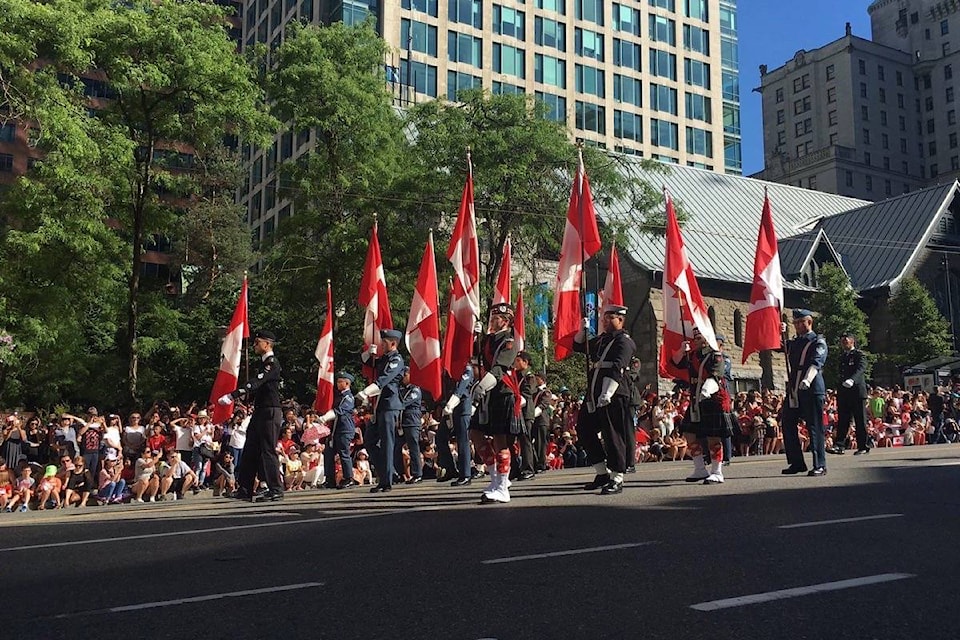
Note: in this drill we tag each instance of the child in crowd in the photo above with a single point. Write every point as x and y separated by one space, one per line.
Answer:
226 482
6 483
49 489
111 485
23 489
293 476
361 468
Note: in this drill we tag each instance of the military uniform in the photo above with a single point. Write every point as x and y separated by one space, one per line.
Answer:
526 469
260 449
806 355
411 419
607 404
458 411
496 414
381 438
540 432
341 435
851 400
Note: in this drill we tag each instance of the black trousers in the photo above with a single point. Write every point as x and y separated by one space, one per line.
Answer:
444 455
612 423
540 432
527 456
259 456
850 405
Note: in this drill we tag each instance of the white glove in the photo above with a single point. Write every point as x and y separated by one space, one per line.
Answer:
685 347
708 388
586 323
478 327
328 416
610 387
372 349
537 412
487 382
808 377
369 391
225 399
783 327
847 383
523 402
452 404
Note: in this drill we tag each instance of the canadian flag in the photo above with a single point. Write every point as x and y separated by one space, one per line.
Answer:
581 239
766 296
612 290
231 349
324 355
683 306
519 331
502 292
464 254
373 298
423 327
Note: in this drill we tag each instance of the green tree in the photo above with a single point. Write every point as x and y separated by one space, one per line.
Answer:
328 82
836 303
920 332
178 88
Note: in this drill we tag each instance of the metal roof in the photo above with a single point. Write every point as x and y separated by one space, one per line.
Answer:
723 211
876 242
879 241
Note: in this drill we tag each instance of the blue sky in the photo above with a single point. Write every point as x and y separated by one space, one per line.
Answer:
771 32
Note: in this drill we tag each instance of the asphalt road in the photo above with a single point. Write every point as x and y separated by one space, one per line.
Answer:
665 559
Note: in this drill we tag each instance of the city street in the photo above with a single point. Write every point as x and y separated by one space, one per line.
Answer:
869 551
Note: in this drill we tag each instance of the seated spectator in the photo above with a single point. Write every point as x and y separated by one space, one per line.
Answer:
311 461
147 482
657 448
293 470
50 488
23 489
361 468
676 445
7 480
771 436
568 450
177 477
642 452
226 482
79 484
111 486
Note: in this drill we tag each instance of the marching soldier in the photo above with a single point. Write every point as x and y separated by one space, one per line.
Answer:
260 450
607 401
527 387
411 419
497 395
851 396
458 411
542 406
342 433
382 437
806 355
707 416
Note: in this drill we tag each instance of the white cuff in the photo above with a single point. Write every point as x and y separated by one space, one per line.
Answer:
523 401
609 388
810 375
537 412
487 382
328 416
709 387
370 391
452 404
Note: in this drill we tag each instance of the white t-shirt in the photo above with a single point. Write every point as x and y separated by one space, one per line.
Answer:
238 437
111 435
180 469
184 438
134 437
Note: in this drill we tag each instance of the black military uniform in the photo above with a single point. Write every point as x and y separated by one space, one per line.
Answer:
411 419
851 399
540 431
495 415
526 469
259 456
607 404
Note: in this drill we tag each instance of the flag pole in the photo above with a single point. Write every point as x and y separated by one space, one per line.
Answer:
246 339
373 359
583 288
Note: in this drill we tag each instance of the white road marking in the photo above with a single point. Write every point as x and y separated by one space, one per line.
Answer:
172 603
191 532
799 525
570 552
799 591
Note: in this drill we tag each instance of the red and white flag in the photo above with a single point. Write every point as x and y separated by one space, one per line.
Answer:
423 327
324 355
683 307
502 292
519 331
464 254
581 239
231 350
766 296
612 290
373 298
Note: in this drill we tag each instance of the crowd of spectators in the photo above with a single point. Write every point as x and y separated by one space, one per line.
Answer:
169 452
